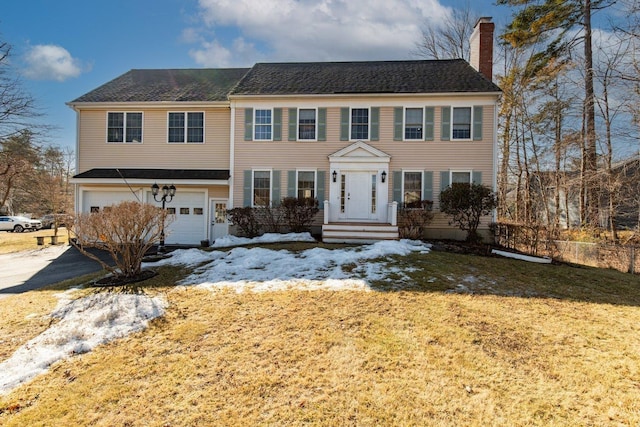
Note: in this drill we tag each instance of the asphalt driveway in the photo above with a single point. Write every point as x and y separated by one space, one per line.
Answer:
29 270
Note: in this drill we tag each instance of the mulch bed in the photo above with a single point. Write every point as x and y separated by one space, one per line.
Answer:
112 280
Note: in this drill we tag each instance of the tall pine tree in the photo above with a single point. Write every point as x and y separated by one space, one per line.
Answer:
555 22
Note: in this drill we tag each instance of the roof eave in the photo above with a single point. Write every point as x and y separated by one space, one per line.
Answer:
496 94
146 104
146 181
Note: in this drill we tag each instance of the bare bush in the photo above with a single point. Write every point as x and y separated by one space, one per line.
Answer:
299 213
245 219
413 219
126 230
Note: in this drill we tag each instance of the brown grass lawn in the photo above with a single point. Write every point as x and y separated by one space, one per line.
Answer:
476 342
15 242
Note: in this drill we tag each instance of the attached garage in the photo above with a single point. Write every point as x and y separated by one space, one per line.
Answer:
99 188
188 208
189 223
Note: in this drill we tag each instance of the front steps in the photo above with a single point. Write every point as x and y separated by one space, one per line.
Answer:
358 232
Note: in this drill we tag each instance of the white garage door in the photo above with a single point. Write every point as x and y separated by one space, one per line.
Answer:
97 200
189 225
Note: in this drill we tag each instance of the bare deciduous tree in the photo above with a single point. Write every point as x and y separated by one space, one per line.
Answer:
17 107
448 39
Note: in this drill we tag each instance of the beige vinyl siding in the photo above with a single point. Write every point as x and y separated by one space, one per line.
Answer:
435 156
154 151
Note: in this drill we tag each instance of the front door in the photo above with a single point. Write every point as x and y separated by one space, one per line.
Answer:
218 219
358 197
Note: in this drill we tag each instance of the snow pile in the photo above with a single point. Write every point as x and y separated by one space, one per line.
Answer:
84 324
260 269
229 240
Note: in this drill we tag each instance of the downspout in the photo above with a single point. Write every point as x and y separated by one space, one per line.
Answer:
232 154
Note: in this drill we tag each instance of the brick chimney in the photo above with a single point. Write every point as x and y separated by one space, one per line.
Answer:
481 41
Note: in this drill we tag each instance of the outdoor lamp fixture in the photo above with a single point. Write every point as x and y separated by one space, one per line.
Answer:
167 196
335 176
384 176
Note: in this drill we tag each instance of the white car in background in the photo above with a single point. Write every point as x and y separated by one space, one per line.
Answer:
18 224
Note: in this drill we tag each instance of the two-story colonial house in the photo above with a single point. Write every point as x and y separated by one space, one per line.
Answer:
361 137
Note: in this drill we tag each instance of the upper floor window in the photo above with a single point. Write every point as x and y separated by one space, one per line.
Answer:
359 123
124 127
263 125
186 127
307 124
461 123
413 122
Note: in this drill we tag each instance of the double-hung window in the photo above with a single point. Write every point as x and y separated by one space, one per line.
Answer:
261 188
306 184
413 123
263 124
359 123
186 127
412 187
124 127
307 124
460 177
461 123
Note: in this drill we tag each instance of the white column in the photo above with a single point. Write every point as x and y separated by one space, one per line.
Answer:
326 212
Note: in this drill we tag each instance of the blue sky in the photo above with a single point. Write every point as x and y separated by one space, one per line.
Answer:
65 48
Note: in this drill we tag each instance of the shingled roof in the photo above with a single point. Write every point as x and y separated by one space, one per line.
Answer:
318 78
173 85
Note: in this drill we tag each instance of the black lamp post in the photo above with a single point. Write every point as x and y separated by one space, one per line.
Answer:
167 192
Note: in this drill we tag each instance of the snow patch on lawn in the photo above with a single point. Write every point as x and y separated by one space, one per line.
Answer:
99 318
229 240
261 269
84 324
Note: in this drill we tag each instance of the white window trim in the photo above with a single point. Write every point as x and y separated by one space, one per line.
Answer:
470 124
253 180
186 127
315 136
124 128
255 126
368 122
404 123
315 180
469 171
421 181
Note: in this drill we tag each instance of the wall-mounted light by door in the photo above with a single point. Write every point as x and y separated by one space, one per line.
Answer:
335 176
383 176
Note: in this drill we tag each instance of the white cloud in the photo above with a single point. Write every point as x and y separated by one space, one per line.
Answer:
51 62
312 30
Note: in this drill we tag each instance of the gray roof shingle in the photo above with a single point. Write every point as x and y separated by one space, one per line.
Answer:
173 85
399 77
305 78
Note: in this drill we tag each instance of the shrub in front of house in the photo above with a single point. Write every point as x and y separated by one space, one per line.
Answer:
299 213
413 218
126 230
246 221
467 204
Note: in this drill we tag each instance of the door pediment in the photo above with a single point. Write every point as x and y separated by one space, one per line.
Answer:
359 152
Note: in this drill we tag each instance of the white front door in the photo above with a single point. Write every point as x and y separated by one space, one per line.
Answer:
358 197
218 219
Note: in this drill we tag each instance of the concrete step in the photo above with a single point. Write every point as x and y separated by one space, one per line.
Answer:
358 233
